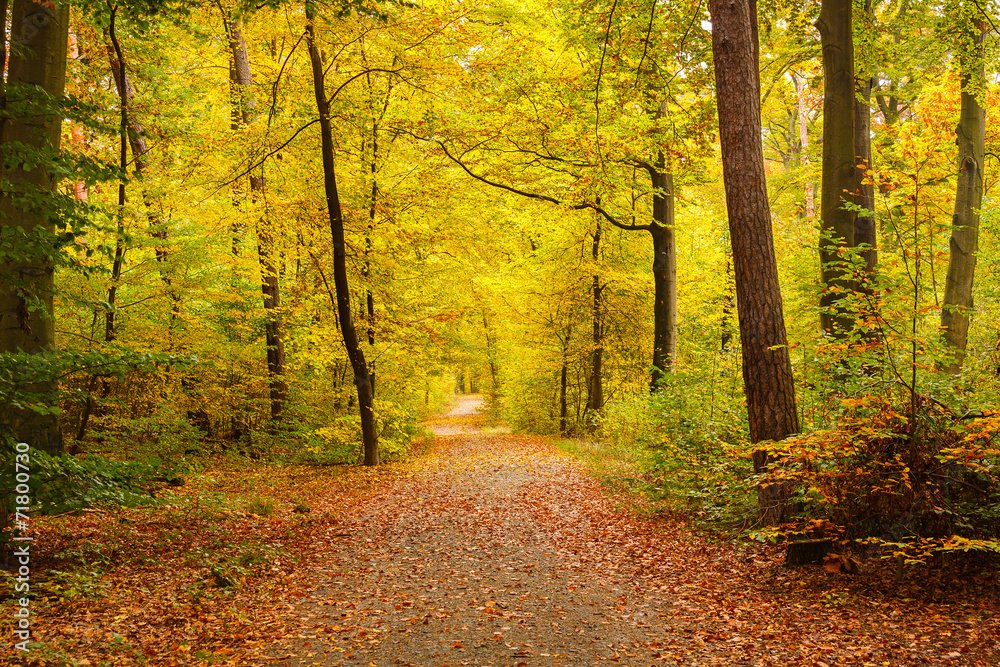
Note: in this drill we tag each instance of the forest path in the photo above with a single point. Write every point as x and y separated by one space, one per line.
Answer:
501 550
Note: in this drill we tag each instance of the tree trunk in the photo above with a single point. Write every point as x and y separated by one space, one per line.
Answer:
595 385
767 369
270 288
563 380
491 354
865 231
664 273
970 135
354 353
36 69
116 267
803 110
837 223
140 159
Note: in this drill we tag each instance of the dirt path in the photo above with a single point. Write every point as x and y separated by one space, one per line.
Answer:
500 550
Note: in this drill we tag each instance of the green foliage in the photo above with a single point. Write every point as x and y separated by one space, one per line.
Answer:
60 484
249 560
695 452
339 440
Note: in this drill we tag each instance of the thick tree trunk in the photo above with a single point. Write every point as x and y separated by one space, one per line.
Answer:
865 231
767 369
664 273
270 287
970 135
837 223
36 69
354 353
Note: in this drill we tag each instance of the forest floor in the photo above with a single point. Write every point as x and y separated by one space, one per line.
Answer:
483 549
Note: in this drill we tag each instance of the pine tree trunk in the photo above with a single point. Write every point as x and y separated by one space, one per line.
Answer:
970 136
837 223
767 369
354 353
37 62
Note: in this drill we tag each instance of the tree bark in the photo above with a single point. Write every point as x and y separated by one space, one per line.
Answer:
970 135
37 63
664 272
564 380
837 223
595 386
270 287
140 160
803 110
767 368
865 231
354 352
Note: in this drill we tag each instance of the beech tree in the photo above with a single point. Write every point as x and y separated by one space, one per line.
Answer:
35 81
836 221
245 112
362 379
970 135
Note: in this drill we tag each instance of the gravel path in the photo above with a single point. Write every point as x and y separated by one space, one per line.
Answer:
500 550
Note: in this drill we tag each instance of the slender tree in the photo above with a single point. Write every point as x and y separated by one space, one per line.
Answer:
362 381
970 135
767 368
242 79
36 79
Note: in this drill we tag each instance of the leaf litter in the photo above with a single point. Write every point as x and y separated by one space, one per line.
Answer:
484 550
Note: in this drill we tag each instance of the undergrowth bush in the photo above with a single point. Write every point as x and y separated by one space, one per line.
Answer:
339 441
694 451
66 483
919 484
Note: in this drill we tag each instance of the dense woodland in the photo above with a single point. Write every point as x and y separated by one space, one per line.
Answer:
291 230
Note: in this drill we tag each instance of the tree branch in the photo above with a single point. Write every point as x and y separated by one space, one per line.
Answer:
534 195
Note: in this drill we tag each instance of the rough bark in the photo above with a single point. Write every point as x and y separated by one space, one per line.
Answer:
270 287
37 61
767 369
837 223
970 135
354 352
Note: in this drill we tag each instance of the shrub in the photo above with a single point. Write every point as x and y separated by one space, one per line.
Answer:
918 483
